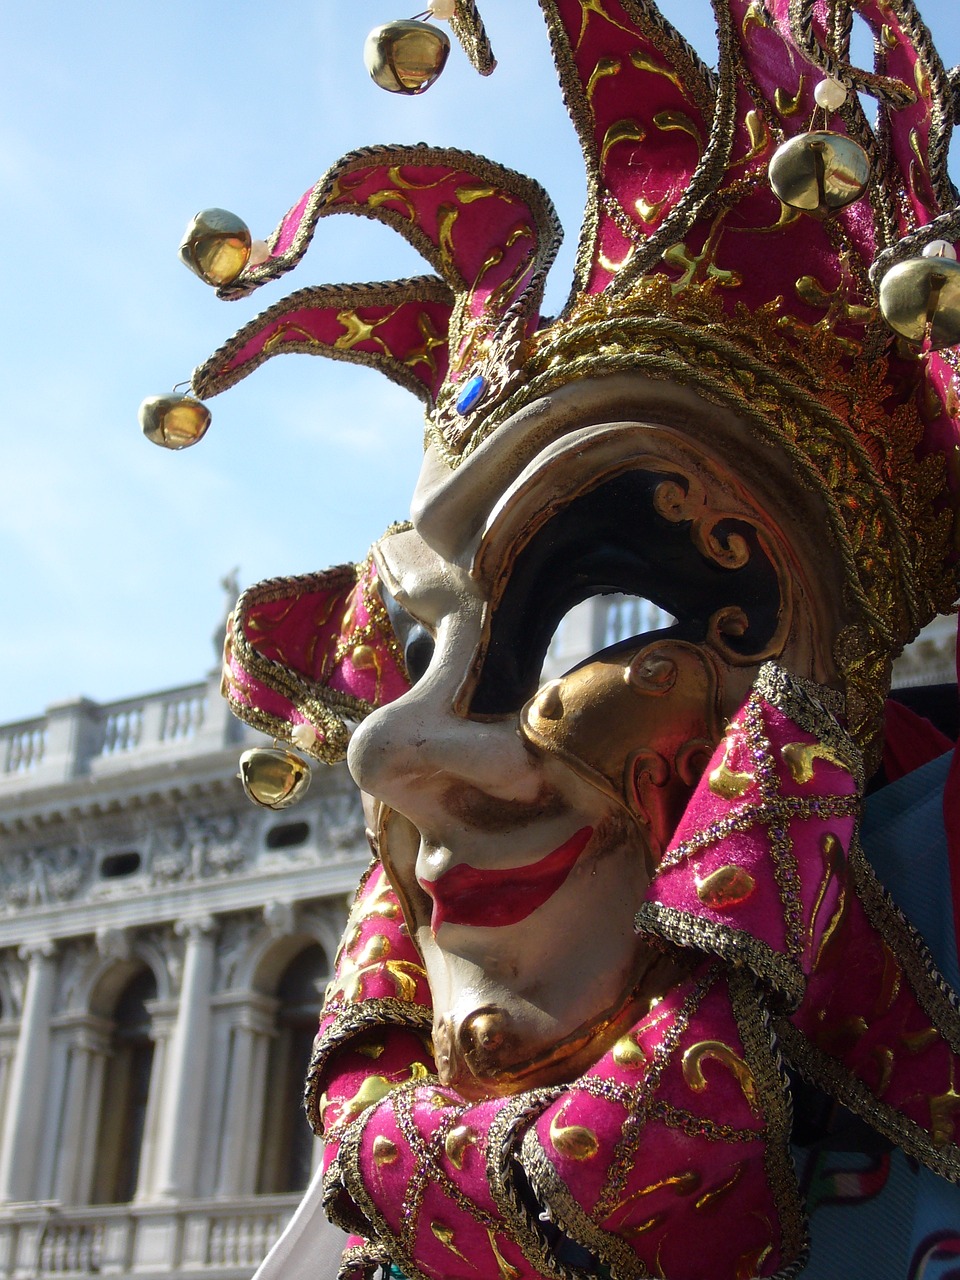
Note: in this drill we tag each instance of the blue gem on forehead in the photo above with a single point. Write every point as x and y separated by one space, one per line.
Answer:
473 392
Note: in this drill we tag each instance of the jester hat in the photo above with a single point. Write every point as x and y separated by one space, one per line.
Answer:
689 268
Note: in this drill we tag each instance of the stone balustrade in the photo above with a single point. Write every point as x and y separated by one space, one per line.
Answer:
82 738
225 1240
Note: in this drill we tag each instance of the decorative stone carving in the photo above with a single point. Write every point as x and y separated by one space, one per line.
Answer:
42 876
77 959
13 981
203 845
280 918
169 945
114 943
237 934
342 826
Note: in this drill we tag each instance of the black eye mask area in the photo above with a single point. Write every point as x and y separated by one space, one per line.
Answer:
415 640
613 540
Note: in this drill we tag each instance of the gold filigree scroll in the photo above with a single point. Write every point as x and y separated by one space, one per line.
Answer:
693 1061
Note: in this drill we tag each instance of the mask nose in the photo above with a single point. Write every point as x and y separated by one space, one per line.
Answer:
411 751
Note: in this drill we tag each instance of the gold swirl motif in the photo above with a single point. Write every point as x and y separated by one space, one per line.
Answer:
596 6
628 1054
726 887
507 1272
376 948
648 210
756 15
648 1224
613 267
831 854
727 783
695 1079
471 192
378 198
446 1237
710 1197
605 67
457 1141
447 216
373 1090
620 131
884 1058
645 63
384 1151
397 178
431 341
799 758
356 330
670 121
943 1106
684 1184
759 136
749 1265
917 1041
573 1141
787 105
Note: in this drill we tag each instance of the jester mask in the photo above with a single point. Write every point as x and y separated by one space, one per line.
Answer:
624 992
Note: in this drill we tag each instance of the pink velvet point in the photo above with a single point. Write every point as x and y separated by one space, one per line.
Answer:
755 867
312 650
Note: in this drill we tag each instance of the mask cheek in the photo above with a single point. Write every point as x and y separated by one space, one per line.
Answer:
639 724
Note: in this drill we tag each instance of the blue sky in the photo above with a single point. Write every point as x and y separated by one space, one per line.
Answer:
118 121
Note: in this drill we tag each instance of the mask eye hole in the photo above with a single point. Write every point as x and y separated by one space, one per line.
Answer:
600 623
416 641
418 650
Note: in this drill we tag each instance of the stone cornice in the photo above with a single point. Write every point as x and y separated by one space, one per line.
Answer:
181 902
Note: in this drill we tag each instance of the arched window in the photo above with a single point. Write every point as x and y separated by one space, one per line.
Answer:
287 1150
126 1088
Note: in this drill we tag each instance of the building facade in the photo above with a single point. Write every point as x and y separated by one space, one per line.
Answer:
164 947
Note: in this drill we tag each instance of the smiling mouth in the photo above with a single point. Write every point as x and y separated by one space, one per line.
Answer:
492 899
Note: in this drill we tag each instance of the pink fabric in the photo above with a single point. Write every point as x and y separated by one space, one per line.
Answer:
909 740
951 818
319 630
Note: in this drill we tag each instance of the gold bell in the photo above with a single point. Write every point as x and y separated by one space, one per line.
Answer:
920 300
274 778
216 246
819 173
406 56
174 421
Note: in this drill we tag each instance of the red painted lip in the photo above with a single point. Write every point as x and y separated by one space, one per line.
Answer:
492 899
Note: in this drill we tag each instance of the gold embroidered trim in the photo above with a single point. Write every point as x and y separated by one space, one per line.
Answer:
935 998
364 1258
348 1159
779 972
552 1191
762 1057
358 1020
467 26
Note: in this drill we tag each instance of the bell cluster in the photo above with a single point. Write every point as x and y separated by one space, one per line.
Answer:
820 172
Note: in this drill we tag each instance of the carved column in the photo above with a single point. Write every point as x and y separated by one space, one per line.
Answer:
182 1109
163 1021
77 1138
26 1098
252 1026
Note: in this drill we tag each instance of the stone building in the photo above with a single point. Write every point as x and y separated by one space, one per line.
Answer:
164 947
